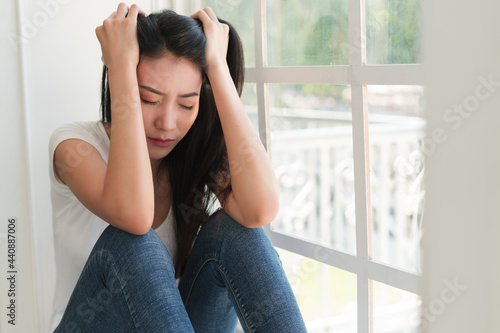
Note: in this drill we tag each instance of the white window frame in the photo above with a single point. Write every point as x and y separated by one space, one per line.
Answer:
357 74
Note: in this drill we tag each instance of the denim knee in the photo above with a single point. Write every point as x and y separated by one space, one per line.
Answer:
222 234
113 237
118 248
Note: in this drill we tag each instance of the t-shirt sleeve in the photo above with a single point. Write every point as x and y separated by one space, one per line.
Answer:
81 131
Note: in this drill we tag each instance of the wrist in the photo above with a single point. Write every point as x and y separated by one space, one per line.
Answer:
123 86
122 65
217 69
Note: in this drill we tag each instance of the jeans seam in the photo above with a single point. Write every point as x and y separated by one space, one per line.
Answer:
196 276
236 296
228 280
126 296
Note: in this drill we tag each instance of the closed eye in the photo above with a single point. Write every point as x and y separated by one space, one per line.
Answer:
147 102
186 107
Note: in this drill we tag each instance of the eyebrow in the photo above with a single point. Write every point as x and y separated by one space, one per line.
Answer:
154 91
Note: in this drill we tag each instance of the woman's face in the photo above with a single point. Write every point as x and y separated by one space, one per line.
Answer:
169 88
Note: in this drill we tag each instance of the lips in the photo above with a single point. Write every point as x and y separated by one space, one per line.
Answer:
161 142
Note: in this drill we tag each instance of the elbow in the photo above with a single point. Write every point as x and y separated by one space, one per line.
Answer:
137 223
260 210
264 215
268 216
267 211
139 230
133 214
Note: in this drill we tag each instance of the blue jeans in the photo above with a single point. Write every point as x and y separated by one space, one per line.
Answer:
128 285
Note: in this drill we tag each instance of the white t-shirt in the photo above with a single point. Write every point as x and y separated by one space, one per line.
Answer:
76 229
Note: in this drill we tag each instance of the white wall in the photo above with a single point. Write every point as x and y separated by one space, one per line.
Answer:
461 291
61 82
15 198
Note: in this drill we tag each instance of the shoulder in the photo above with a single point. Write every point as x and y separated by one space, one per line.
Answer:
76 130
79 139
92 132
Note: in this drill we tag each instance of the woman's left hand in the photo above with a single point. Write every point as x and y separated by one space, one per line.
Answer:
217 34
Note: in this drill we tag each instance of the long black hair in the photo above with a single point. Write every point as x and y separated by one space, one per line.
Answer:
198 166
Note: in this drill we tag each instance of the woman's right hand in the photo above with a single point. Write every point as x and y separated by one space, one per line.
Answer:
118 37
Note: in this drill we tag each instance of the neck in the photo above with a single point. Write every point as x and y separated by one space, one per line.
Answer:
155 165
158 177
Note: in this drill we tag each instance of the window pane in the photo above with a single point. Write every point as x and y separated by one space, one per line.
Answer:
326 295
392 31
240 14
396 130
301 33
394 310
311 146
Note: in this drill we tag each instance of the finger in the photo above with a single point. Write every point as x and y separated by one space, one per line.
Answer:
210 14
226 30
133 12
98 32
113 15
203 17
198 15
122 10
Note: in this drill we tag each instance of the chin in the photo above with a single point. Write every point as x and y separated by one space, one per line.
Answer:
157 153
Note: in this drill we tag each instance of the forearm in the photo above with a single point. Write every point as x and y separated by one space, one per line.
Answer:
128 177
254 185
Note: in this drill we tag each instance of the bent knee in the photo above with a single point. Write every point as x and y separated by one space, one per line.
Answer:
120 241
223 227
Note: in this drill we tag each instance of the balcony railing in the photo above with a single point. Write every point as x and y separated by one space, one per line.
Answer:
315 171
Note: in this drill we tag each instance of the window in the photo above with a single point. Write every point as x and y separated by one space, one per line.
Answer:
334 89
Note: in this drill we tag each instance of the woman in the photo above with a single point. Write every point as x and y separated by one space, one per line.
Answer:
133 196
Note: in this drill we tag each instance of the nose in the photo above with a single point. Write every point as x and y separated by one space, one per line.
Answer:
165 119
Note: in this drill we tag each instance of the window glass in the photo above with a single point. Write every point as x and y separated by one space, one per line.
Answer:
240 14
326 295
396 132
302 33
395 310
392 31
311 146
